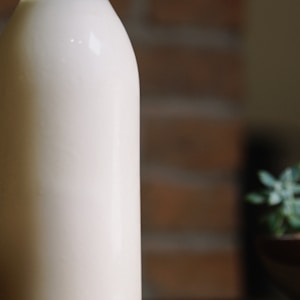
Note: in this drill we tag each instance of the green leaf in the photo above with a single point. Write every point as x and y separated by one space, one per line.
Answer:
296 172
283 198
294 222
286 194
287 209
274 199
296 188
287 175
255 198
275 223
266 178
296 207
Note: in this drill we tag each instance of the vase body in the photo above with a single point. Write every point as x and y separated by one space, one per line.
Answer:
69 150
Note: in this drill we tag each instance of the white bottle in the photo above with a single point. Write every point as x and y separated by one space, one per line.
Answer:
69 148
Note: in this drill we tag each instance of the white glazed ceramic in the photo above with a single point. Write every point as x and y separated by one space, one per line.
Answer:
69 148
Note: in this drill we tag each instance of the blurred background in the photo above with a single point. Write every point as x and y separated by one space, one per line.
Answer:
190 56
220 95
219 100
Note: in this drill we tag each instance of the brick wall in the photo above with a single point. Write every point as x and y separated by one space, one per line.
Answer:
188 53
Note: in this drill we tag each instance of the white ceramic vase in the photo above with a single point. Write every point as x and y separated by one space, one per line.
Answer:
69 151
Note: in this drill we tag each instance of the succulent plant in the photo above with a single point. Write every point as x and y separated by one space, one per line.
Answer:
282 198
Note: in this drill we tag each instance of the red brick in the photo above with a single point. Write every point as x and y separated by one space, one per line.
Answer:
121 6
213 13
194 275
189 71
191 142
175 206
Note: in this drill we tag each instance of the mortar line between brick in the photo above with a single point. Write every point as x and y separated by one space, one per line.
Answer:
152 171
191 36
176 106
192 242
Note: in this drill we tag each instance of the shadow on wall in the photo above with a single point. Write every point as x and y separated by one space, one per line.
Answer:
262 152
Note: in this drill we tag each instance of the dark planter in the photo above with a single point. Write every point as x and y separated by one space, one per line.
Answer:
281 258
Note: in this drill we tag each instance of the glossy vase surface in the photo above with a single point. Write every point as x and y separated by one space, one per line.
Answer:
69 151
